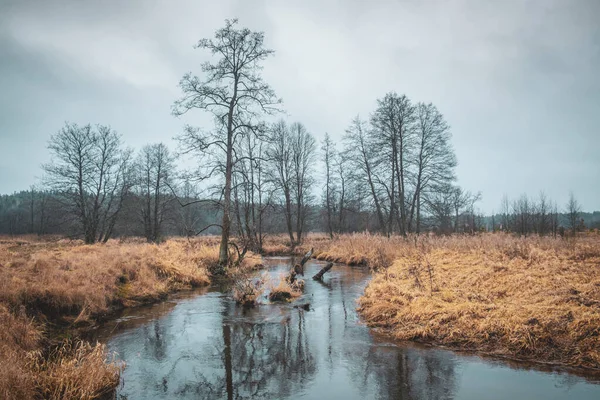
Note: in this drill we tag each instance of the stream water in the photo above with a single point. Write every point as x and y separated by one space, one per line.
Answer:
201 345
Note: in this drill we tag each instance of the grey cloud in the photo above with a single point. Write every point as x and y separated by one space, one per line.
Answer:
516 80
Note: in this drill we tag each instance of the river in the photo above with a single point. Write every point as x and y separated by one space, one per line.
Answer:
201 345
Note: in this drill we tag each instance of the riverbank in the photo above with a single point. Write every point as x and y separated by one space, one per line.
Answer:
535 299
51 290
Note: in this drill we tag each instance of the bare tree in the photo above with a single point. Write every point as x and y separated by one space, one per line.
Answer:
460 199
573 211
543 214
434 160
328 153
303 158
90 171
360 151
234 92
341 166
440 204
252 191
523 216
190 215
154 170
292 155
393 135
280 156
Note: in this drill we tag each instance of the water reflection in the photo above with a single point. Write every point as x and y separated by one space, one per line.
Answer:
207 347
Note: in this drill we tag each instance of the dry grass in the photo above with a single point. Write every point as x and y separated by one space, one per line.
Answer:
359 249
247 291
76 282
279 245
69 284
19 337
71 370
536 298
76 370
283 290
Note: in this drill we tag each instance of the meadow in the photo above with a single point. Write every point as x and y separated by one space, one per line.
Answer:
535 298
53 289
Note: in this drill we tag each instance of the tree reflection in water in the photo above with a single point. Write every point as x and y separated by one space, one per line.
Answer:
206 347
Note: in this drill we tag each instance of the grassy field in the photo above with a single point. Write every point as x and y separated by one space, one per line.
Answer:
51 289
534 299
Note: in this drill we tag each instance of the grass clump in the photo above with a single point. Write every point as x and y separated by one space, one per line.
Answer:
283 290
76 370
247 291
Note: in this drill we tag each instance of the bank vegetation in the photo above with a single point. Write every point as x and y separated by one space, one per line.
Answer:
52 290
534 298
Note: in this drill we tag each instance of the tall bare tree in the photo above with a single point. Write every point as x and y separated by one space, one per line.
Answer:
252 191
280 157
393 135
434 160
154 170
233 91
303 159
90 170
343 175
360 152
328 154
292 155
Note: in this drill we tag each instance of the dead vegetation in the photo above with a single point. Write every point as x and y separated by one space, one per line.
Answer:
359 249
49 286
247 291
284 290
536 299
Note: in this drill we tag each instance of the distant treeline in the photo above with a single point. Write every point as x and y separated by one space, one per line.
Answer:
529 215
41 212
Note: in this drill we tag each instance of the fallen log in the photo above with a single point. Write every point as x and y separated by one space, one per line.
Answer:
323 271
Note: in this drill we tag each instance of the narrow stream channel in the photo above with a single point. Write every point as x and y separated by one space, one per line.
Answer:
201 345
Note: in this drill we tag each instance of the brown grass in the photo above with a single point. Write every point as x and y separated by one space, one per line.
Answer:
246 289
536 298
359 249
76 370
279 245
58 284
283 290
77 283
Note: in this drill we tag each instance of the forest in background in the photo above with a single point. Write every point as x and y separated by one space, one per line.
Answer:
41 212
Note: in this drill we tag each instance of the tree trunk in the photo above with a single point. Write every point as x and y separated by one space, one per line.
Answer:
226 224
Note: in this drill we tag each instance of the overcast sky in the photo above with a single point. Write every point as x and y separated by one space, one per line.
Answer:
518 81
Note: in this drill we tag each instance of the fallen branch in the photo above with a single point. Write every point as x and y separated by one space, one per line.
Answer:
323 271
